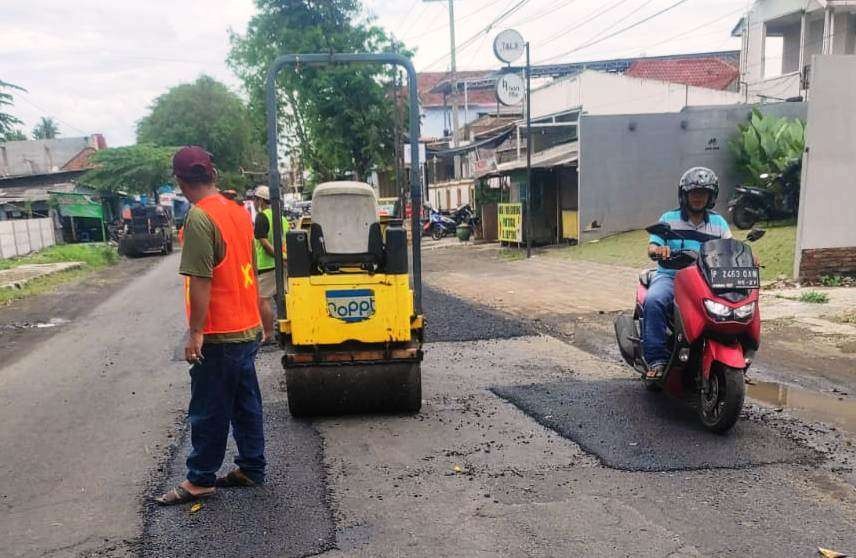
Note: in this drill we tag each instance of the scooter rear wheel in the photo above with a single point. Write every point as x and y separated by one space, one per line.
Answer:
720 407
744 218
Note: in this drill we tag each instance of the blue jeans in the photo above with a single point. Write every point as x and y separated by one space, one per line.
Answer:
659 306
224 390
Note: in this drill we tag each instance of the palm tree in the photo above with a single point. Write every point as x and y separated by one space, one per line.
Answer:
7 121
46 129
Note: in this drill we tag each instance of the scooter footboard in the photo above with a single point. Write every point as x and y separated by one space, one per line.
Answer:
729 355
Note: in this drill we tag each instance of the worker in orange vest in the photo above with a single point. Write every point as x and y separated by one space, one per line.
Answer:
224 328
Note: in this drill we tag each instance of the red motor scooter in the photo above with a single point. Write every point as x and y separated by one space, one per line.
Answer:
715 330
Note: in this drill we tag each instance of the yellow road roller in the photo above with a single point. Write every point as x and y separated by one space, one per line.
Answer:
351 326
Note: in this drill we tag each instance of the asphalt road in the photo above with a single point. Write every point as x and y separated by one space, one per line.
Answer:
93 422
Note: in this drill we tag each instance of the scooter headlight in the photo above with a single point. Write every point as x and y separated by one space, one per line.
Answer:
716 309
745 312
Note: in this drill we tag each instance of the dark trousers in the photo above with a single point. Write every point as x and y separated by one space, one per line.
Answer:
224 391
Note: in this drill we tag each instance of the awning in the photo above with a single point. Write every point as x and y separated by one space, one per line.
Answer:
78 205
489 142
557 156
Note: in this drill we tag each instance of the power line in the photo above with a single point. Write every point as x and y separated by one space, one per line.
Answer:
48 112
619 32
540 14
419 13
620 20
484 30
409 12
688 32
462 18
591 16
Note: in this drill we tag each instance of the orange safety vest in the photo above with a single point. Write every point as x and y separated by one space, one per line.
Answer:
234 302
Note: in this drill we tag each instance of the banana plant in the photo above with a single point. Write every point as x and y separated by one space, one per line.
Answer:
767 145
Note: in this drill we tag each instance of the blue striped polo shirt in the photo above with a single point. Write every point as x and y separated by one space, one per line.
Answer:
712 226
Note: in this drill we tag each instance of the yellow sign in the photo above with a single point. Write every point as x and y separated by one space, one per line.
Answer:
510 218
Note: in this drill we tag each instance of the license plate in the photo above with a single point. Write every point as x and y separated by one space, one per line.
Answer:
735 278
351 306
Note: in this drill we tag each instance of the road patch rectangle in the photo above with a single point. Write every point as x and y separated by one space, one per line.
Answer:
631 429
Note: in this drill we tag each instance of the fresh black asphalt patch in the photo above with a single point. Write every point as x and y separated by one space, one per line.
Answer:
449 318
631 429
288 516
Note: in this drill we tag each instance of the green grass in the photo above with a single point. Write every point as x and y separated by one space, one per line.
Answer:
92 255
776 250
511 254
42 285
814 297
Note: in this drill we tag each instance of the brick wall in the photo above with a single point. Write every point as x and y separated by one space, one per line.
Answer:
827 261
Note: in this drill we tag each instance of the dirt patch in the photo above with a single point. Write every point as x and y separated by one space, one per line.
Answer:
22 321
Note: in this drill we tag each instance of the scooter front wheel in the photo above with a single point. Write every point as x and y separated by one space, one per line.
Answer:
437 232
720 407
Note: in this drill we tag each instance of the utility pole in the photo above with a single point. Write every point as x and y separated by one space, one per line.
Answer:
453 73
528 214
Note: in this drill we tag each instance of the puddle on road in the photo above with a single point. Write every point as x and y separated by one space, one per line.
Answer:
807 404
54 322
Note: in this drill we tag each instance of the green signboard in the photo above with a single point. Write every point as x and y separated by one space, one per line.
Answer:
78 205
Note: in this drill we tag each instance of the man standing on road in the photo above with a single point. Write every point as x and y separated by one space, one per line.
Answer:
265 262
222 305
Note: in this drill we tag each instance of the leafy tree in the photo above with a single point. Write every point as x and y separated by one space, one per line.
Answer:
768 145
338 118
46 129
16 135
7 121
136 169
204 113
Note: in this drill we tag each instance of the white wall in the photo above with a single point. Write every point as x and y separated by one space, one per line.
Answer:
761 12
604 93
433 118
827 210
19 237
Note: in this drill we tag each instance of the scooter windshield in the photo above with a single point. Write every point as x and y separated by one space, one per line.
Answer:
729 268
726 253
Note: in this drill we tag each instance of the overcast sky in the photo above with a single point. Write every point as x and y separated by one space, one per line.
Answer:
97 65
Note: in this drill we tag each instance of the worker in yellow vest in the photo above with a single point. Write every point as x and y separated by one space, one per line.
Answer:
265 262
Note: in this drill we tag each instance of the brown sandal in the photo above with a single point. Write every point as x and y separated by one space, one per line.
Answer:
234 479
180 495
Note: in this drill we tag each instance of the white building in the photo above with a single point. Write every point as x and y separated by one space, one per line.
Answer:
780 37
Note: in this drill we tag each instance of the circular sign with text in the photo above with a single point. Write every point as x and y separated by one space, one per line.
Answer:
510 89
509 46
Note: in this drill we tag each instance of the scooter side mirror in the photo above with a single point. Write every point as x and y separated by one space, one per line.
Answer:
659 229
755 235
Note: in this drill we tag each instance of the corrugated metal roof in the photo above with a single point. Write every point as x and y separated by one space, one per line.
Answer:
35 157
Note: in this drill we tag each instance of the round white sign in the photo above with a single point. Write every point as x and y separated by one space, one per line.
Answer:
509 46
510 89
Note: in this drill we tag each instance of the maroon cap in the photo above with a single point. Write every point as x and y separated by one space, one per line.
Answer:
193 163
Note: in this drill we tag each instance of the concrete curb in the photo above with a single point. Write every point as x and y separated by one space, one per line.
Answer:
18 277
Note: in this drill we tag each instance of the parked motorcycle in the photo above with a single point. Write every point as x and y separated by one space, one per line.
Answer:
715 331
439 225
778 199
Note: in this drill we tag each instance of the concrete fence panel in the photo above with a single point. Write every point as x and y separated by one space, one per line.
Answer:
19 237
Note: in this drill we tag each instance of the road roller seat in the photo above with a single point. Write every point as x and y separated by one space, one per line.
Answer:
345 230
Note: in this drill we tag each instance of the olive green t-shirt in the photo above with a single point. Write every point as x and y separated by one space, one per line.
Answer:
203 250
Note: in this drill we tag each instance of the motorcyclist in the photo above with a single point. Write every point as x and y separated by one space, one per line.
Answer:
697 223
